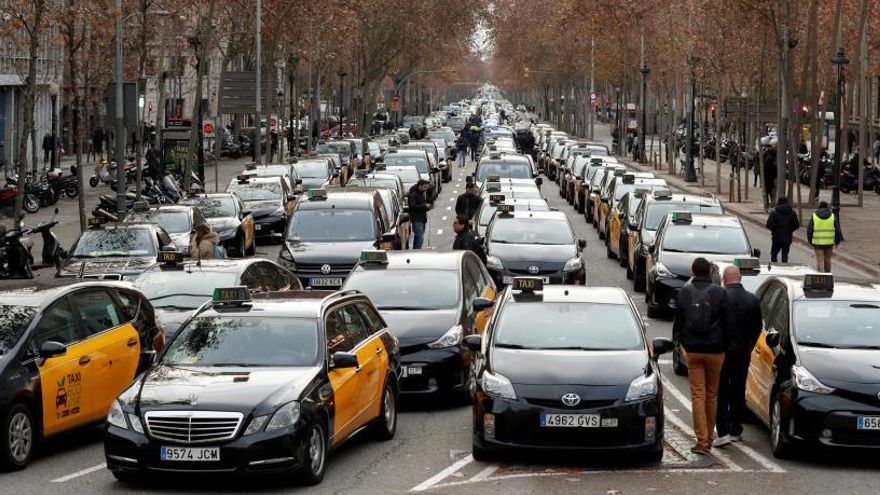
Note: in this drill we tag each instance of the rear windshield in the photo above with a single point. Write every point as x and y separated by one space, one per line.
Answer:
700 239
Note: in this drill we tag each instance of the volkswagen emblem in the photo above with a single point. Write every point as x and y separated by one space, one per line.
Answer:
325 269
571 400
533 270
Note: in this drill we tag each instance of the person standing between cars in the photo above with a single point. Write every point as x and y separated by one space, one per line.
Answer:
699 328
824 233
418 202
782 223
474 141
202 242
461 145
466 239
466 205
743 329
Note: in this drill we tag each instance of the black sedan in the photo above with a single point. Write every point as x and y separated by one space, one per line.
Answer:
116 252
226 215
588 380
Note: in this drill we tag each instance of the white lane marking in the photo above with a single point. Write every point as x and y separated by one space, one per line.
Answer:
484 474
444 219
451 199
448 207
745 449
455 191
433 480
674 419
79 473
439 231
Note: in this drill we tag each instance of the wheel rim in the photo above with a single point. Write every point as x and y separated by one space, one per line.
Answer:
20 437
390 416
775 427
316 450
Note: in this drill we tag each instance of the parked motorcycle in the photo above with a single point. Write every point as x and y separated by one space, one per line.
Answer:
30 203
105 172
53 254
15 260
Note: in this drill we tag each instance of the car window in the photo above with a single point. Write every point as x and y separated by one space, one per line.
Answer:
345 329
472 285
97 311
768 301
130 303
371 317
778 319
274 277
56 325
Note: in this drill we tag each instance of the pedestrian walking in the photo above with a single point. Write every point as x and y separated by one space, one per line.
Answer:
461 145
824 233
743 329
466 239
782 222
467 203
474 141
202 242
48 144
417 200
274 147
699 329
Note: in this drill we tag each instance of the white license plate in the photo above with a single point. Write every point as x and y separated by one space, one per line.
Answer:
509 280
406 371
258 226
570 420
325 282
869 423
188 454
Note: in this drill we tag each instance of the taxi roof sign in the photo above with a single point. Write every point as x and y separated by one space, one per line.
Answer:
528 284
374 256
595 160
170 257
619 172
317 193
493 186
629 178
140 206
747 263
493 178
231 295
243 178
97 221
818 283
682 217
640 192
662 193
505 209
496 198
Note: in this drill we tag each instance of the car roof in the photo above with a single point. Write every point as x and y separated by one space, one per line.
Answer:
538 215
685 198
293 304
793 270
576 293
37 293
711 220
845 289
340 197
274 179
225 265
408 152
420 260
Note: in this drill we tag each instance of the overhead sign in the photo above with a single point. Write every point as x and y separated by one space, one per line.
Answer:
208 128
273 122
238 92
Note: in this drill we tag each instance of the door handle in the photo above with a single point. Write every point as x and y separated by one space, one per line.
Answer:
131 342
378 351
85 360
757 350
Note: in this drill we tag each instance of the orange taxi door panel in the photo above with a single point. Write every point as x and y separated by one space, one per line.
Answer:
614 231
763 356
248 227
376 359
115 355
67 387
482 318
345 401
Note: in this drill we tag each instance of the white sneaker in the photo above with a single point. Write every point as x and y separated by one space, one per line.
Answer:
722 441
736 438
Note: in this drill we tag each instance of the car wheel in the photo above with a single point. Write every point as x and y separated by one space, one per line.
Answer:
253 249
608 252
18 437
239 249
623 258
580 208
482 454
678 367
629 272
779 443
386 423
127 476
639 282
654 312
655 456
315 457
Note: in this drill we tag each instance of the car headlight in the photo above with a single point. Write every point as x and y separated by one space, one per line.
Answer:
286 258
285 417
279 212
452 337
136 424
804 380
573 264
663 272
643 387
256 424
497 385
116 417
493 263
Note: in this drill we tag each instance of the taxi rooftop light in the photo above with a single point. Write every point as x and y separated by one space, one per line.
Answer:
140 206
619 172
97 221
493 178
747 263
662 193
629 178
317 194
596 160
496 198
640 192
682 217
231 296
243 179
528 284
374 257
493 186
505 209
818 283
170 257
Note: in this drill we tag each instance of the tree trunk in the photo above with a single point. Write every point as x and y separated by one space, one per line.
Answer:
196 128
864 89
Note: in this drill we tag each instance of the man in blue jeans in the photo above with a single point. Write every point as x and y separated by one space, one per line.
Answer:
417 199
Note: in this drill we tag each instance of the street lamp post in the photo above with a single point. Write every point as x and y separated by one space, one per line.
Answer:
645 71
840 61
690 174
619 121
341 73
195 41
120 133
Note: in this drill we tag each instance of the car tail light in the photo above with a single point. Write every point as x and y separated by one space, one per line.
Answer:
159 340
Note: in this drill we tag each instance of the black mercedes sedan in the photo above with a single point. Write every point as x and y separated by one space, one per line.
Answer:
588 380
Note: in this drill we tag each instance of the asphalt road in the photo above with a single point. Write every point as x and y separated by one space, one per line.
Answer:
431 451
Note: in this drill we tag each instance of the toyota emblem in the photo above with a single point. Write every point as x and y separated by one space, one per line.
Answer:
533 270
325 269
571 400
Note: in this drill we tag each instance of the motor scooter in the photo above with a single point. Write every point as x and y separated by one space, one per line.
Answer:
15 259
53 254
105 172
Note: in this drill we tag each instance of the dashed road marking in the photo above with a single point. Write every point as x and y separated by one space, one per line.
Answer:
439 231
433 480
444 219
81 472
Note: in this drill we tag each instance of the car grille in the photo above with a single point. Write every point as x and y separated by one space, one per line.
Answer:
584 404
103 276
315 268
193 426
527 272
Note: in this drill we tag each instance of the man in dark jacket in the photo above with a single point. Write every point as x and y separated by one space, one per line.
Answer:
417 200
466 239
782 223
743 330
699 329
824 234
466 205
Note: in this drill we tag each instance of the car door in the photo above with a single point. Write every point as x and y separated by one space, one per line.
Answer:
113 342
485 289
363 379
651 258
66 387
632 237
374 329
247 224
344 381
760 375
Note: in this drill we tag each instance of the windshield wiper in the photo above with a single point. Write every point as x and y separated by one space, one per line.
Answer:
511 346
499 241
399 308
822 345
673 250
234 365
870 347
174 306
578 348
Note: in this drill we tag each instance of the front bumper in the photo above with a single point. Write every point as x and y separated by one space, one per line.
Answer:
811 414
281 451
427 371
505 277
270 227
664 291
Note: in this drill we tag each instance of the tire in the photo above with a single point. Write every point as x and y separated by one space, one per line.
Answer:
622 258
239 251
678 367
580 208
654 457
315 455
386 424
629 272
18 437
639 281
93 181
654 312
608 252
482 454
253 249
30 203
877 188
71 192
779 443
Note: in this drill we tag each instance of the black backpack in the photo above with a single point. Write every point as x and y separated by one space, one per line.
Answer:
698 312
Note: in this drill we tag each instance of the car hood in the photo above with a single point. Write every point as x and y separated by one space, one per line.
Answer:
593 368
328 252
262 208
221 389
309 183
223 223
172 319
419 327
853 369
680 263
532 253
107 266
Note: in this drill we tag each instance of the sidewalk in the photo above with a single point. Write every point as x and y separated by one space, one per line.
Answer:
861 247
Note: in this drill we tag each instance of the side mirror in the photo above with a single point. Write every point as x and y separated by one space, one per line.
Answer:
473 342
756 253
298 181
539 181
661 345
772 339
52 349
291 197
404 217
342 360
482 304
582 243
389 237
168 249
651 249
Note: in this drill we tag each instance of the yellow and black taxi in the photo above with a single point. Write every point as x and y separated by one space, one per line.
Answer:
328 231
587 381
65 354
431 300
813 377
179 221
286 172
650 212
504 166
226 215
754 273
537 243
506 202
346 152
379 179
421 160
116 251
622 217
259 385
614 189
268 200
681 238
397 216
596 184
177 288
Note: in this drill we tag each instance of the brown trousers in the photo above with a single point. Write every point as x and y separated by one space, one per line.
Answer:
823 259
704 375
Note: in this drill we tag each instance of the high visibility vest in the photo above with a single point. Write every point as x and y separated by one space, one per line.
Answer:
823 231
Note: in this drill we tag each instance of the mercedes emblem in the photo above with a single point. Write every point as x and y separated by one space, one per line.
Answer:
325 269
571 400
533 270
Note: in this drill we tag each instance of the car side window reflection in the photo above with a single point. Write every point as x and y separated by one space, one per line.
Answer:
97 311
56 325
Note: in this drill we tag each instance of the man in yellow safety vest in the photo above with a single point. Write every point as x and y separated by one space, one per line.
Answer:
824 233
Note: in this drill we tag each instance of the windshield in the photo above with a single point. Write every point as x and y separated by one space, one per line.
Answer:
846 324
14 320
531 231
245 341
396 160
332 225
375 182
407 289
217 207
263 191
406 174
115 242
589 326
658 210
174 222
176 289
311 170
341 149
705 240
504 170
447 137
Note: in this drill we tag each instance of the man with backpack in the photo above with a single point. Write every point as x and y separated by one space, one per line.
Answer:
700 331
